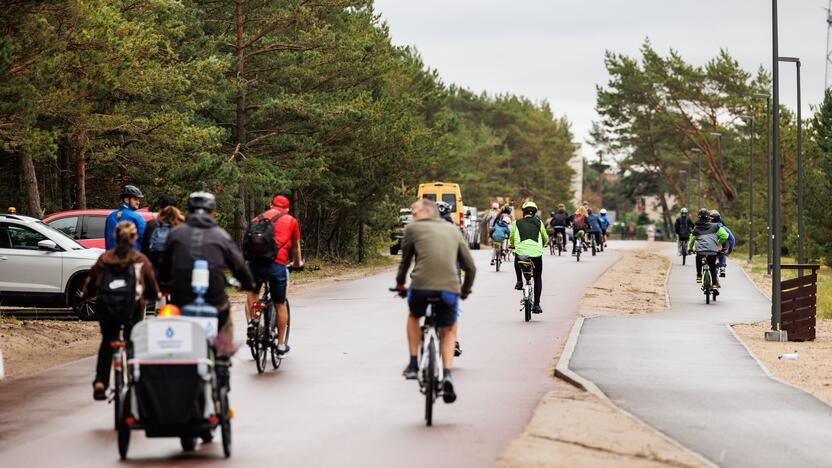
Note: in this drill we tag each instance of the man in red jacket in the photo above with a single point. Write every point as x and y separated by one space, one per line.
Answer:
276 271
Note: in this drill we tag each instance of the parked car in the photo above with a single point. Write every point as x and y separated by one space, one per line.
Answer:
86 226
40 265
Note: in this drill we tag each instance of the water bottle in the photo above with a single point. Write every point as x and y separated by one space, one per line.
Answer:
788 357
199 277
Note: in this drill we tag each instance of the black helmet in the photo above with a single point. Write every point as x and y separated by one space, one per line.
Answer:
704 213
167 201
443 207
131 191
715 216
202 201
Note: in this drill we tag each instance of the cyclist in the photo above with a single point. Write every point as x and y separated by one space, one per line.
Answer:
579 224
528 238
110 279
559 222
683 226
200 238
594 225
707 239
437 249
605 224
131 198
492 216
723 256
157 230
445 212
499 234
281 232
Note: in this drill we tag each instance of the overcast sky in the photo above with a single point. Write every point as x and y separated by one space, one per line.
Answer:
553 49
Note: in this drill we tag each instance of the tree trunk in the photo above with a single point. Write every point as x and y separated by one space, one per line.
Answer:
81 179
361 243
665 214
240 133
30 186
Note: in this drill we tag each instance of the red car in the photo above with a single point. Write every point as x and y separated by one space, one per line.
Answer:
86 226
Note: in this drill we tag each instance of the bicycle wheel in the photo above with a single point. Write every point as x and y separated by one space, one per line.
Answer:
706 285
118 397
684 256
123 440
527 306
498 261
594 248
188 443
225 423
262 344
430 383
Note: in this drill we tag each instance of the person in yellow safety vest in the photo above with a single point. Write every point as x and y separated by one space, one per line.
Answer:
528 239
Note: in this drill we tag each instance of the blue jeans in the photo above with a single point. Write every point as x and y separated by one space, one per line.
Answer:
723 261
276 274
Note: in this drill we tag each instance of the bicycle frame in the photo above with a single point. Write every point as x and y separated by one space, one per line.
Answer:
430 338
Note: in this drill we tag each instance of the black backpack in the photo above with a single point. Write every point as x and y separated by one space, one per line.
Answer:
118 293
158 238
259 243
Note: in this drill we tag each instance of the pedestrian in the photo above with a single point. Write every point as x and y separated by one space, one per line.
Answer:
131 198
158 229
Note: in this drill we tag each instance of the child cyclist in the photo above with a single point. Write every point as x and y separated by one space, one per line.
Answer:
499 234
716 218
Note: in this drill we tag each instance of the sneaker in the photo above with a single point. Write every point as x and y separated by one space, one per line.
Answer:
716 292
457 350
518 285
698 279
537 310
722 272
252 329
410 372
99 391
283 352
492 262
448 394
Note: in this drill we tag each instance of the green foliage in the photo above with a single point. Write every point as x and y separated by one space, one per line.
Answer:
819 182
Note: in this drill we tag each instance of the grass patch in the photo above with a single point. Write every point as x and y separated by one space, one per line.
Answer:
758 270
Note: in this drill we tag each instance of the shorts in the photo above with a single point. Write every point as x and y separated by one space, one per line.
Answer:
446 310
276 274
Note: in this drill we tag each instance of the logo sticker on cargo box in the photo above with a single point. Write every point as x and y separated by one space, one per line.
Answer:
168 337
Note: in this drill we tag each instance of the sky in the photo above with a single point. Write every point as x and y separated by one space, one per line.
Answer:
553 49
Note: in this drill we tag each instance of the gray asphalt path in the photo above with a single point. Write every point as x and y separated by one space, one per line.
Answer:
339 400
683 372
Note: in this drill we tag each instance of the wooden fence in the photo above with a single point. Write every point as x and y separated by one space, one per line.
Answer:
799 303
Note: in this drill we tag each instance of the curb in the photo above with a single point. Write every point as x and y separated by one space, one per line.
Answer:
563 372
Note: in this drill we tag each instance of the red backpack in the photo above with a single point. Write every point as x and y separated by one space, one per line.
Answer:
579 222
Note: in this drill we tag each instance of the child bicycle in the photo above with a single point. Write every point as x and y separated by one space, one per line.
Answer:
708 281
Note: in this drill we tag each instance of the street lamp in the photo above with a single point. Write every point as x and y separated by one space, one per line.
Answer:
699 177
769 198
721 169
750 120
800 252
776 334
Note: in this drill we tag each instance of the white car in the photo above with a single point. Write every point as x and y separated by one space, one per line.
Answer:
40 265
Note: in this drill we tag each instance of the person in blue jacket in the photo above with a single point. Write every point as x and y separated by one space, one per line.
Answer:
131 198
716 218
594 226
605 224
499 234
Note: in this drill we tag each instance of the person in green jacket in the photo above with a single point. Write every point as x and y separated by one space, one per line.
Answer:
707 240
528 239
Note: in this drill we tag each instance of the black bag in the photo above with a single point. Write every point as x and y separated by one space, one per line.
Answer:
259 243
117 295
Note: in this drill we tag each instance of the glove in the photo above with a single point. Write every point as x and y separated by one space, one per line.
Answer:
464 295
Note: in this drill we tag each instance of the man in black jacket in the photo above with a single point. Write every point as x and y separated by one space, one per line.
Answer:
200 238
684 226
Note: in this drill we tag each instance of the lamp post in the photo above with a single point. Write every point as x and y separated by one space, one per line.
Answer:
720 192
776 334
698 177
750 120
769 197
800 252
689 176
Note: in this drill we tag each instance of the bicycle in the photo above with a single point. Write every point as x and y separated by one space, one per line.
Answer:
560 241
593 243
579 243
262 343
498 254
430 373
527 270
118 376
683 248
708 282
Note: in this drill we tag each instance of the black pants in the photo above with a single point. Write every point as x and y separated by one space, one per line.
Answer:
109 333
712 264
538 276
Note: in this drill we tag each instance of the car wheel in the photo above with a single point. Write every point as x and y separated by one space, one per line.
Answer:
82 310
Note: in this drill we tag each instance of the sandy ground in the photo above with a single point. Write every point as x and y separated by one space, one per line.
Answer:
23 342
573 428
634 285
812 371
30 346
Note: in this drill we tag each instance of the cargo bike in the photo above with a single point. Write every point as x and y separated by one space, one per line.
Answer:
176 386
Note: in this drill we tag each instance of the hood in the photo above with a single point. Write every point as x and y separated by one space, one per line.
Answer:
201 220
110 258
92 253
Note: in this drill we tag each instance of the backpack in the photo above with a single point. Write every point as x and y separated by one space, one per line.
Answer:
579 222
159 238
118 293
259 242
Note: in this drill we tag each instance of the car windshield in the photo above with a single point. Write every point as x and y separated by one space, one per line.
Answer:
75 245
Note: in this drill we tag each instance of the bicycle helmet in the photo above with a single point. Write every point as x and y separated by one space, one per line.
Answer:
495 206
529 207
443 207
683 211
715 215
131 191
603 211
203 201
703 213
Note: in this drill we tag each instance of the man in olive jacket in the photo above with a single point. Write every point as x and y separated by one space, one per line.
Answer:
438 249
